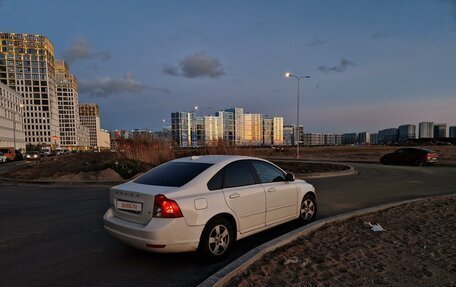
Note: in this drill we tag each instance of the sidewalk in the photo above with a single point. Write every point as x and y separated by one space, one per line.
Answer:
417 248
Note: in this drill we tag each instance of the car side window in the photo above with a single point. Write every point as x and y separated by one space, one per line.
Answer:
238 173
216 181
267 172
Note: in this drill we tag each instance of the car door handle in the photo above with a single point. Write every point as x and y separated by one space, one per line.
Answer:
271 189
235 195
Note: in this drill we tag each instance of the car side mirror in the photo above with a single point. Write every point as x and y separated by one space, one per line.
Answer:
290 177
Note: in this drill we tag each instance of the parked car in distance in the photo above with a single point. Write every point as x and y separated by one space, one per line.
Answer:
3 158
33 155
415 156
8 152
205 203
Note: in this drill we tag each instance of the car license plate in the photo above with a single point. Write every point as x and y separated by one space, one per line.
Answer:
127 205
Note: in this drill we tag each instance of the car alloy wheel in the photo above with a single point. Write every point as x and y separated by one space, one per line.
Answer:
216 239
308 209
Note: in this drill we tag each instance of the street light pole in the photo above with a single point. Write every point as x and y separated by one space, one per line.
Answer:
298 78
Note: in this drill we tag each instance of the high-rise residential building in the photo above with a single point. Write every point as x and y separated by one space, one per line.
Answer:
374 138
440 131
27 66
388 136
292 134
407 132
364 138
332 139
452 131
277 131
314 139
349 138
68 101
426 130
83 137
253 129
288 135
268 133
197 132
89 115
213 130
181 129
238 124
11 119
228 125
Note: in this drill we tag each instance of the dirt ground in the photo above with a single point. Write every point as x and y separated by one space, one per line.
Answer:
417 249
72 167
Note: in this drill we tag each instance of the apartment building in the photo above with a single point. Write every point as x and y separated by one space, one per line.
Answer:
253 129
89 115
11 120
68 106
407 132
426 130
27 66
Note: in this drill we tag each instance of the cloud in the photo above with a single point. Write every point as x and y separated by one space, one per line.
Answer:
197 65
317 42
380 35
80 49
341 67
105 87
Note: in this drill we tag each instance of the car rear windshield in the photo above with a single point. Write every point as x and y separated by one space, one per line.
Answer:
173 174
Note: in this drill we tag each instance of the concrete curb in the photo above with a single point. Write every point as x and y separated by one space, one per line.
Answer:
223 276
350 171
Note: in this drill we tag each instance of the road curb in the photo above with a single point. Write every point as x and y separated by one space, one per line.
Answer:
350 171
223 276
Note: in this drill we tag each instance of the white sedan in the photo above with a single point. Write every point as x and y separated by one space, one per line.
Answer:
206 203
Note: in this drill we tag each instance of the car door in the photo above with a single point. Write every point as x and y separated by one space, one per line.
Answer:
244 195
281 195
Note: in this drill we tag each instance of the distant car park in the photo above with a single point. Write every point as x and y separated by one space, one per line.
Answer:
410 156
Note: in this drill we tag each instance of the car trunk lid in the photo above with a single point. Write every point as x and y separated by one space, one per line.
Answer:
135 202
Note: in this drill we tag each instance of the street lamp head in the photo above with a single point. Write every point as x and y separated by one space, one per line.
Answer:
287 75
307 77
196 107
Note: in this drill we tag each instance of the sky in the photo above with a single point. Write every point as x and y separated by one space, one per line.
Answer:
373 64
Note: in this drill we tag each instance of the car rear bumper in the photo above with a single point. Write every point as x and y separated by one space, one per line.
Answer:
161 235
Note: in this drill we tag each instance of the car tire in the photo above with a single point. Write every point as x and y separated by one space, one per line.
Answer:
419 162
216 239
308 209
385 161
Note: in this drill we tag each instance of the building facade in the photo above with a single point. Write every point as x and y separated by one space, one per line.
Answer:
364 138
253 129
11 120
213 130
407 132
181 129
68 105
440 131
426 130
388 136
227 120
374 138
27 66
103 139
277 131
238 116
349 138
268 131
314 139
89 115
452 131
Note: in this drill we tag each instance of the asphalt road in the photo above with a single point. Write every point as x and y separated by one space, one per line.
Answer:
54 236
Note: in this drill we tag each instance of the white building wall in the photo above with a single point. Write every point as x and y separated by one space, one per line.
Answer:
11 119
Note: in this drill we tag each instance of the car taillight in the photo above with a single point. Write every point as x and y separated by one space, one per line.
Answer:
166 208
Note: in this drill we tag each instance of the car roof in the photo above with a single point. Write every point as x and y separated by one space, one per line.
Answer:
214 159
